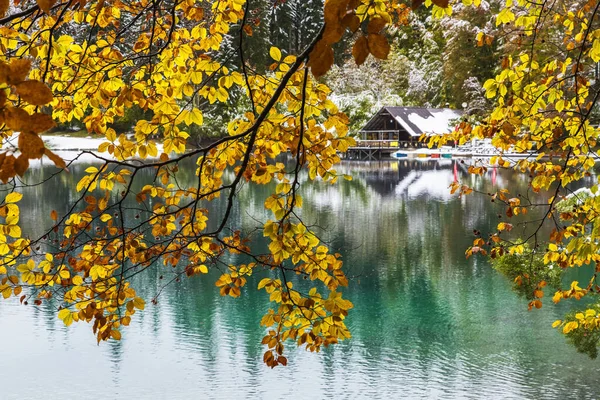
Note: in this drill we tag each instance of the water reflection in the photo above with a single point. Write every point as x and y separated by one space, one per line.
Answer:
426 323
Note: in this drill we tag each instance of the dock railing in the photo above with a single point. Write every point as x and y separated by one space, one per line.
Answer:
387 144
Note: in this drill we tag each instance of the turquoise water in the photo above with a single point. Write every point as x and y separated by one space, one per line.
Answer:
427 323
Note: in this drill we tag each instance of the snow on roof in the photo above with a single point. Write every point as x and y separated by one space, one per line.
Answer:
415 120
437 122
408 128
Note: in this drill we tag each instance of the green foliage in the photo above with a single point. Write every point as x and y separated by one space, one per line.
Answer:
585 340
573 200
527 271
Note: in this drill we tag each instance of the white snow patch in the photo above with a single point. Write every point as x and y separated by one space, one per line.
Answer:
72 143
405 126
439 123
68 148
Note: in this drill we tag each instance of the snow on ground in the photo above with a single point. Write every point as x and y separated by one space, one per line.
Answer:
72 143
68 148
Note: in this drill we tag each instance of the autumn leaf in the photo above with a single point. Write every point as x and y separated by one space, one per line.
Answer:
7 169
440 3
17 70
275 53
16 119
34 92
21 164
31 145
333 32
321 59
13 197
416 4
4 4
46 5
334 10
39 122
360 50
376 24
378 46
351 21
57 160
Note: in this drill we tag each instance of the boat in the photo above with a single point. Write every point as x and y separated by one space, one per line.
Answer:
400 154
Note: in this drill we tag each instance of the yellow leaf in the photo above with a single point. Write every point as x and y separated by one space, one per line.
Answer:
139 303
34 92
556 323
62 314
115 334
275 53
263 282
13 197
105 217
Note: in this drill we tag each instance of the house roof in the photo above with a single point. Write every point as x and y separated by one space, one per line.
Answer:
415 120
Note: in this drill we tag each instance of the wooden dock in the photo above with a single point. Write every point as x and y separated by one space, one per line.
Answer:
379 149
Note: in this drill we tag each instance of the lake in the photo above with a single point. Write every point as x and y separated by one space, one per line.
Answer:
426 323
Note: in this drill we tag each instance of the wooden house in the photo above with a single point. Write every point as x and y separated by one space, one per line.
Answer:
401 127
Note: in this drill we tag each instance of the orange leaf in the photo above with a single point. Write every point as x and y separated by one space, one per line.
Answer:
21 164
34 92
3 7
54 215
19 69
353 4
351 21
16 119
57 160
5 74
334 10
378 46
39 122
360 51
45 5
7 170
31 145
321 59
376 25
440 3
416 4
333 32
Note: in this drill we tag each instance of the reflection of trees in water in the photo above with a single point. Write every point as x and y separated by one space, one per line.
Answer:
412 288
